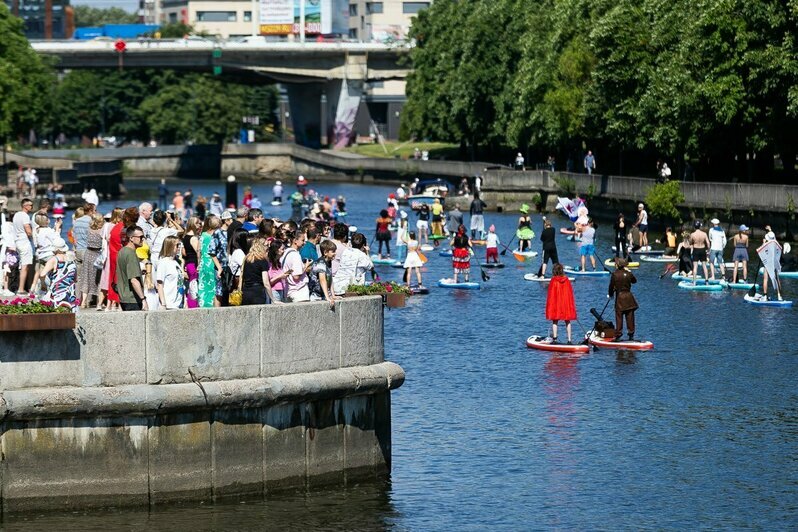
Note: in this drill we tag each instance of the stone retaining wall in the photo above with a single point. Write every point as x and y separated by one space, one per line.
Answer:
143 407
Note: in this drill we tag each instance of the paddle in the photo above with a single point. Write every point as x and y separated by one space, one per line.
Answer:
601 262
752 290
668 269
504 251
485 276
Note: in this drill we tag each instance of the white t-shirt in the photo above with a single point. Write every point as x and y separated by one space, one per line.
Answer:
45 237
717 238
492 240
168 272
236 261
352 270
401 235
292 261
156 238
20 220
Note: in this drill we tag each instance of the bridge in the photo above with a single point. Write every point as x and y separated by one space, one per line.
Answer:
324 80
283 62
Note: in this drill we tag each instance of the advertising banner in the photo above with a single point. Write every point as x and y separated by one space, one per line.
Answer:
281 17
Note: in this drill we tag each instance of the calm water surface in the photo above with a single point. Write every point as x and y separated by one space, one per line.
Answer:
699 433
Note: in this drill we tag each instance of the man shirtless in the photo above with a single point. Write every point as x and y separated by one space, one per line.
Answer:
699 242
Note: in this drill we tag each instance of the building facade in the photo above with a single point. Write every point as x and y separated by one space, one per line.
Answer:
223 18
44 19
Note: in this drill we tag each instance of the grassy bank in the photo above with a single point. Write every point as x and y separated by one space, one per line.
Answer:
405 150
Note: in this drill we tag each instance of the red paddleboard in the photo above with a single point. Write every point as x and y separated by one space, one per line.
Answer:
633 345
540 342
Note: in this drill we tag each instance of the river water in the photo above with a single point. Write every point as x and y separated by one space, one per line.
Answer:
701 432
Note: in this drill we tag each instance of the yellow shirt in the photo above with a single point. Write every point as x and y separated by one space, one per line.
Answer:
437 209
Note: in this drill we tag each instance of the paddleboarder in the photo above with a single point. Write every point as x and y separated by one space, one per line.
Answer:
717 241
699 242
477 219
621 282
740 256
461 254
422 224
492 246
384 233
547 238
524 232
560 303
684 252
437 219
587 248
642 224
620 228
413 260
770 253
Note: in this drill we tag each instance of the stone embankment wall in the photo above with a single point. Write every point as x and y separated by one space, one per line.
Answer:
143 407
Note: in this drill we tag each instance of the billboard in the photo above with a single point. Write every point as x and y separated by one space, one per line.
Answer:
281 17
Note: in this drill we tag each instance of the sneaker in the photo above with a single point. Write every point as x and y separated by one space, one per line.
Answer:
6 293
780 298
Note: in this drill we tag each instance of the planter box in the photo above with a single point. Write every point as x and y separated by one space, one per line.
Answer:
37 322
395 300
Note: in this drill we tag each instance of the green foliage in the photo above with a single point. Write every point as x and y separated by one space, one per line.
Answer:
25 80
378 288
536 200
716 78
178 30
24 305
92 16
565 184
662 200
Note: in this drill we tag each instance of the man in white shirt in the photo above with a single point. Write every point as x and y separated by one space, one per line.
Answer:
355 262
296 283
717 242
22 235
145 212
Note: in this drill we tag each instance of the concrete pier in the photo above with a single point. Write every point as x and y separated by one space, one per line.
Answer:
144 407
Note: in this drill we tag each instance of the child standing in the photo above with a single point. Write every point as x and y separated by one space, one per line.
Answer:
413 261
461 254
560 302
320 275
492 246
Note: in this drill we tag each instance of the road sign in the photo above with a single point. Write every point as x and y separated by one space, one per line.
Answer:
120 46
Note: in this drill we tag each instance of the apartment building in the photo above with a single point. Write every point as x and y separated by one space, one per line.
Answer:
225 18
44 19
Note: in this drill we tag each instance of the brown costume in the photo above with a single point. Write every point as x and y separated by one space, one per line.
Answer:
621 283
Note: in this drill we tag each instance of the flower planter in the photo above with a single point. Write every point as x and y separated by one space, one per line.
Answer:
395 299
37 322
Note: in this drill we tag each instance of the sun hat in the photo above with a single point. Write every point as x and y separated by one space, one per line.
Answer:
714 221
743 227
59 244
524 208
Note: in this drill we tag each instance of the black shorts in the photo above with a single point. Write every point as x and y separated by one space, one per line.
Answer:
699 255
550 255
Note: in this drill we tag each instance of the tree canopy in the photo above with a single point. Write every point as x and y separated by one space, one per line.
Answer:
93 16
25 80
712 81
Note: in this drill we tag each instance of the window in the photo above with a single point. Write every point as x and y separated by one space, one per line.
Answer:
373 7
352 10
411 8
172 18
247 16
353 33
216 16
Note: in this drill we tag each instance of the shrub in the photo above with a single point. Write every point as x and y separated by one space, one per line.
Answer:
663 198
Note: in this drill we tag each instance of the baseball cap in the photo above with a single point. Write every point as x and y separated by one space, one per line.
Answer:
640 205
403 214
715 221
697 224
226 215
743 227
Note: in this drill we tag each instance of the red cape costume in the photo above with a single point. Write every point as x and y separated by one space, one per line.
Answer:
560 301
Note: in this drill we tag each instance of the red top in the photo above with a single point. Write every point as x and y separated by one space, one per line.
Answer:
560 301
114 245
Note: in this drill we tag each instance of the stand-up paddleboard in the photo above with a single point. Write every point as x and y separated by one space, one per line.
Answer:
610 263
427 247
546 344
276 203
783 275
419 290
699 287
437 237
492 265
767 302
445 253
742 286
524 256
679 277
398 264
586 273
643 250
608 343
384 261
449 283
534 277
658 258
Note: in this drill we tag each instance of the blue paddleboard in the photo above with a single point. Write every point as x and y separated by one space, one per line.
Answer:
449 283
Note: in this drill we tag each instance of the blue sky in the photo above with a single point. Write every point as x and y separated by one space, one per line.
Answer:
127 5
